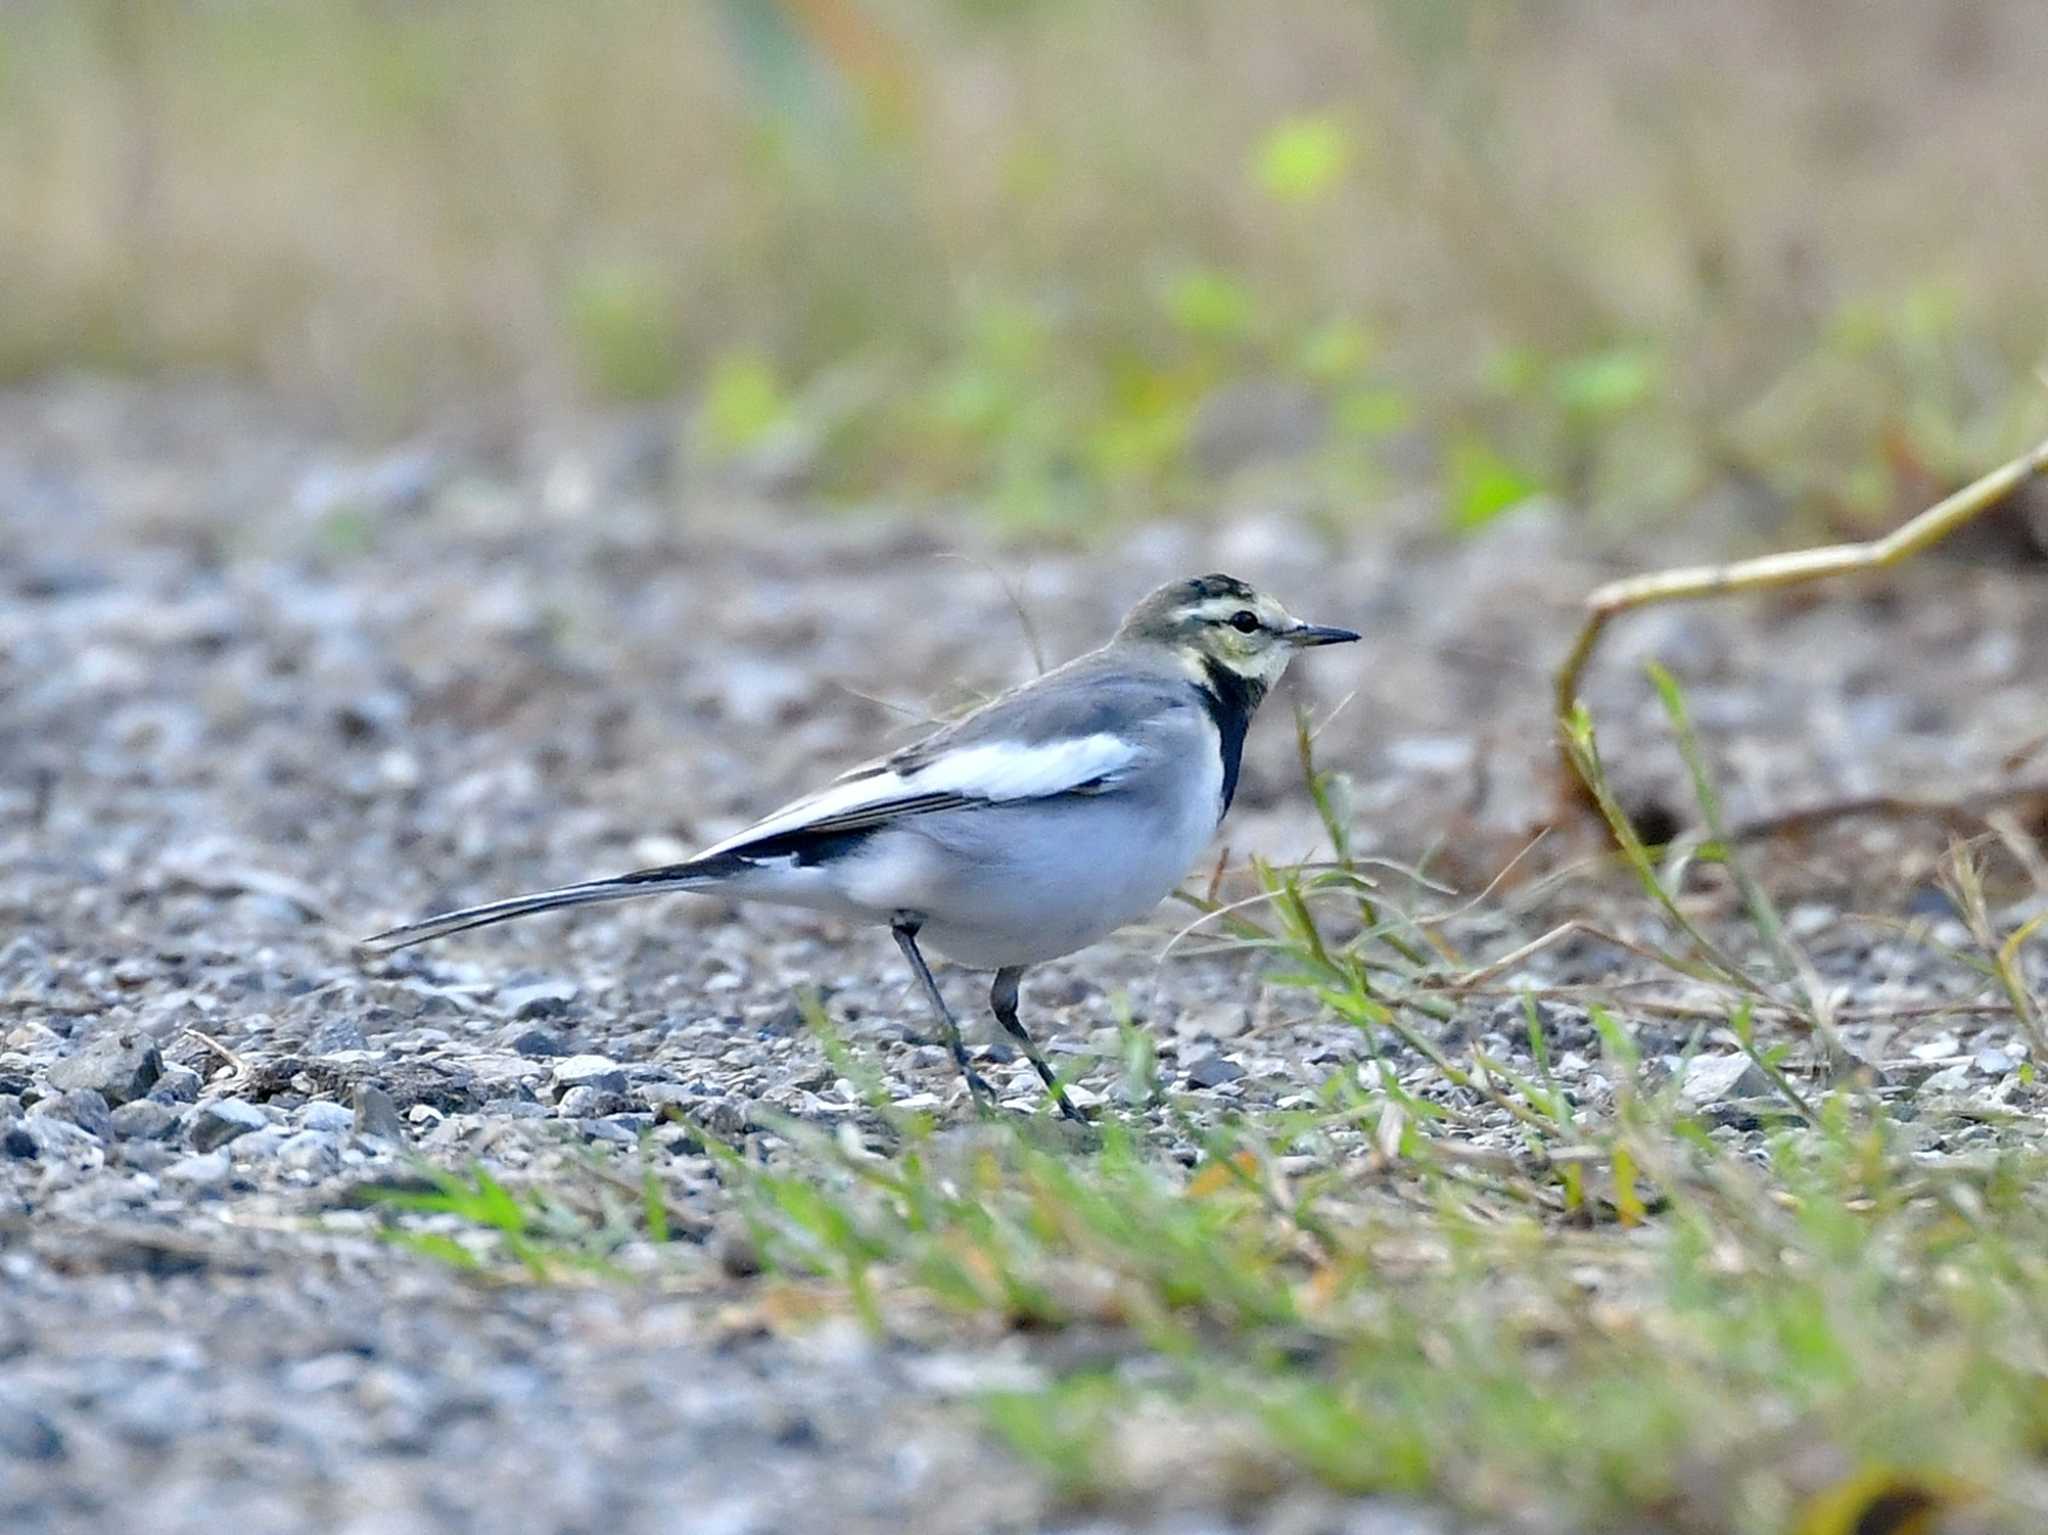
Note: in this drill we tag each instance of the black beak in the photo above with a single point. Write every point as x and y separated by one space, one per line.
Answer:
1320 634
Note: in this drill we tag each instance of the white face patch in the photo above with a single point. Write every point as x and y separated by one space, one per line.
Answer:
1259 656
1265 666
1220 610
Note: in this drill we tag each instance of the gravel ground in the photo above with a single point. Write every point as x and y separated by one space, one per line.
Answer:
260 695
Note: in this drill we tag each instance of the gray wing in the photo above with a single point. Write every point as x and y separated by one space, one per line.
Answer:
1097 694
1072 731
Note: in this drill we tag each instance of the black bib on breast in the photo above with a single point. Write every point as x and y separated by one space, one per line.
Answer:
1231 701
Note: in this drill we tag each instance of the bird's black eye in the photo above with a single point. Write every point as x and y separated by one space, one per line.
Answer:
1244 621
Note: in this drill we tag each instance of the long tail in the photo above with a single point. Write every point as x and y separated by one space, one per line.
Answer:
696 875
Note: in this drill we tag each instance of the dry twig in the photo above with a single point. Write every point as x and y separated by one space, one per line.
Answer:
1793 568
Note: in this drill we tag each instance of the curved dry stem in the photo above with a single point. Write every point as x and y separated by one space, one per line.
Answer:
1794 568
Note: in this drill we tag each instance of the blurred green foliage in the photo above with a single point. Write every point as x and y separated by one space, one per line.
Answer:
620 316
1302 160
1064 261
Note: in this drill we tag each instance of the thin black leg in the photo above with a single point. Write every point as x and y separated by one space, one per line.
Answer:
1002 1000
906 940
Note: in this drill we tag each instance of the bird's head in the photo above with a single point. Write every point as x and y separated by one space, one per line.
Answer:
1219 623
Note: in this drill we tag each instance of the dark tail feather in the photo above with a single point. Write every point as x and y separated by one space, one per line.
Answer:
680 876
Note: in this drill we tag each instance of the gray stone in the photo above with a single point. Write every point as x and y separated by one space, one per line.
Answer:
543 999
153 1412
20 952
620 1129
336 1036
56 1140
325 1372
660 1096
146 1119
208 1170
310 1151
377 1114
28 1434
178 1084
1718 1078
84 1108
118 1066
1395 1517
218 1122
258 1145
1993 1063
596 1071
726 1118
514 1108
536 1042
147 1156
1225 1021
1950 1079
588 1101
325 1114
1212 1070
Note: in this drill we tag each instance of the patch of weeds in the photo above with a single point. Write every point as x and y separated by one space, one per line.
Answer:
1480 485
1998 956
1475 1278
472 1220
621 319
1421 1315
743 403
1302 159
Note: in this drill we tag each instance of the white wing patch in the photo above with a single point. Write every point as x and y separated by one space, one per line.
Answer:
1001 770
992 770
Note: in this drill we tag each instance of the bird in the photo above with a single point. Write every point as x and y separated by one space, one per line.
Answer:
1032 827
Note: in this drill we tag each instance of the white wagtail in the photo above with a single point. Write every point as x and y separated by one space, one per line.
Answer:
1038 824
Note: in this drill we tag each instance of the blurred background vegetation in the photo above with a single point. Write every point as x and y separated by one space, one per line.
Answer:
1058 260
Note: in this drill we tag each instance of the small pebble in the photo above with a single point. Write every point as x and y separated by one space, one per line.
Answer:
119 1067
325 1114
544 999
26 1434
146 1119
310 1151
258 1144
178 1084
1950 1079
218 1122
514 1108
1212 1070
207 1170
376 1113
54 1139
83 1107
587 1101
337 1036
1718 1078
596 1071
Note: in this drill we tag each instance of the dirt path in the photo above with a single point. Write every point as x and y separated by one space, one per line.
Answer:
259 697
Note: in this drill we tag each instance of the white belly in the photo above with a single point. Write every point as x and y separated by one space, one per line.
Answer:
1017 884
